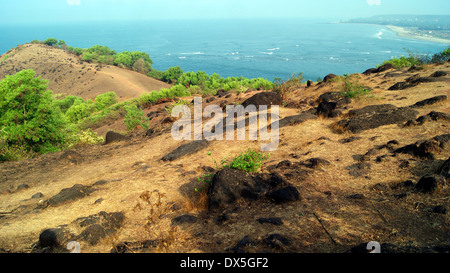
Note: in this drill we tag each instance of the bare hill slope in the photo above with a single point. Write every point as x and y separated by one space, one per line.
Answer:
68 75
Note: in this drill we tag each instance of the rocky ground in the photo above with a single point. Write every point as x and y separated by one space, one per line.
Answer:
347 171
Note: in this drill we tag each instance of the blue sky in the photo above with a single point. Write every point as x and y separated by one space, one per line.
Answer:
82 10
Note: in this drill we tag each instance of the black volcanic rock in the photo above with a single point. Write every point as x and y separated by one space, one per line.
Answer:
264 98
376 119
186 149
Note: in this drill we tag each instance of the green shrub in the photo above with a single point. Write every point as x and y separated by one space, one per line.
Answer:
135 118
80 138
403 62
29 117
67 102
249 161
80 110
442 57
172 75
51 41
285 87
352 89
105 100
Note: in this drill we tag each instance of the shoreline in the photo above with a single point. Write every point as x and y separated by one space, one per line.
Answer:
406 33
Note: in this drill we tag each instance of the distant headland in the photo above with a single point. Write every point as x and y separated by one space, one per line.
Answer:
433 28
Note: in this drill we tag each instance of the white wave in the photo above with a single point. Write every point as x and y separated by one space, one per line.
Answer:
348 42
249 56
235 53
379 34
182 57
267 53
333 59
365 53
273 49
387 51
193 53
297 45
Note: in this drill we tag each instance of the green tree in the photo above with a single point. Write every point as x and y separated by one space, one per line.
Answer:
28 116
51 41
80 110
135 118
172 74
105 100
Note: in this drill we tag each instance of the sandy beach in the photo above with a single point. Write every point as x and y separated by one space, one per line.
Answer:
408 33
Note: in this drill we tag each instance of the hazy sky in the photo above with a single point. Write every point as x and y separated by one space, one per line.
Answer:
73 10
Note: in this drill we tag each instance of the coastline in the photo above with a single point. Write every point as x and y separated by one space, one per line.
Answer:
406 33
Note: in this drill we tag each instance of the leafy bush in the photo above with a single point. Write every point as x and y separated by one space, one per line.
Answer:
442 57
285 87
51 41
135 118
80 110
352 89
249 161
29 117
105 100
67 102
403 62
172 75
80 138
128 59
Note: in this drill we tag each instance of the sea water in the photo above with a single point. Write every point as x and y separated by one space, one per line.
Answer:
275 48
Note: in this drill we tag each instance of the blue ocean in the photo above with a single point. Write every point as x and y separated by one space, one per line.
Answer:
270 49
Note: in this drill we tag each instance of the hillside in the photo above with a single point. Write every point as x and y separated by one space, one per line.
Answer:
377 173
68 75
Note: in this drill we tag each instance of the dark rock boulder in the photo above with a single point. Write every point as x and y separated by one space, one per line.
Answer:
315 163
184 219
76 192
277 241
264 98
294 120
430 183
186 149
53 239
329 103
444 170
309 83
385 67
370 71
359 169
370 110
426 148
402 86
277 221
375 119
432 116
439 74
329 77
113 220
229 185
113 137
93 234
284 195
430 101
